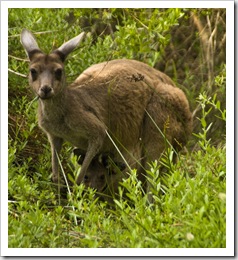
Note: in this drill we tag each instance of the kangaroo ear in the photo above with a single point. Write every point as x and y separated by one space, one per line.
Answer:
64 50
29 43
105 160
109 163
121 166
80 154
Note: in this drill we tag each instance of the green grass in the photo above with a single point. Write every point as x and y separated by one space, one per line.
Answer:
188 209
190 214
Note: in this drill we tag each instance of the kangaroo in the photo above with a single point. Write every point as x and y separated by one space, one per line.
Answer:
121 107
103 174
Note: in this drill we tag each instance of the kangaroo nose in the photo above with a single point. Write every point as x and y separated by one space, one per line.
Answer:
45 92
46 89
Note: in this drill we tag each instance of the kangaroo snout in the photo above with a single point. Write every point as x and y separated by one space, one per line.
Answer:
45 92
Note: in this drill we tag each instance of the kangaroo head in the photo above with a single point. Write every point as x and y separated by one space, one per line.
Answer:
101 172
47 76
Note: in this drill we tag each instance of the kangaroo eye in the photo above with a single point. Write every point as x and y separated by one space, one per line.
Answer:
86 178
58 74
33 74
102 177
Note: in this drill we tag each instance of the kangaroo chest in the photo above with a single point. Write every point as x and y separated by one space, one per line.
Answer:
58 127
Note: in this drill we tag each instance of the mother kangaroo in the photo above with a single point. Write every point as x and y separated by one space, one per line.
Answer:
121 107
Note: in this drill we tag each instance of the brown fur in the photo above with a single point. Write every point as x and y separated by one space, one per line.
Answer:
103 174
111 98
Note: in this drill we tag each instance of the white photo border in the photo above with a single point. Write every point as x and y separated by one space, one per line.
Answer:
229 250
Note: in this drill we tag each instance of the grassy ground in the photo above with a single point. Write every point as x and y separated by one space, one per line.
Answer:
191 212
